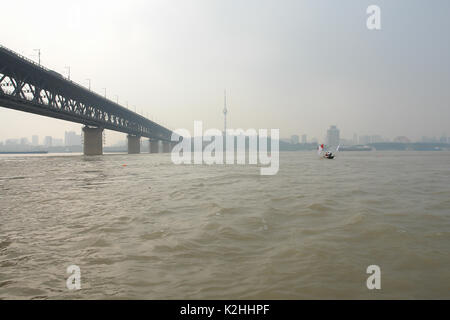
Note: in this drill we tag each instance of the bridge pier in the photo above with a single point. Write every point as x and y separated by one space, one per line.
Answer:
154 146
134 144
167 146
93 141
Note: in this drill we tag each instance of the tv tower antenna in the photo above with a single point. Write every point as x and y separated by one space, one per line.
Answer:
225 111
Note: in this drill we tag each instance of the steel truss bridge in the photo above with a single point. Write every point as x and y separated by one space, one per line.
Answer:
29 87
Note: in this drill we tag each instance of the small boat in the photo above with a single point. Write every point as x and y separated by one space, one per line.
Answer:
327 155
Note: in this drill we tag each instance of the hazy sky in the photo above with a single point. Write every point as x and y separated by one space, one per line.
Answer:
295 65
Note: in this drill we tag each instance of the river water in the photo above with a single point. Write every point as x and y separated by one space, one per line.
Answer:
140 227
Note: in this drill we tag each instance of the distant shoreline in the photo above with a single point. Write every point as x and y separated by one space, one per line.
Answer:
382 146
23 152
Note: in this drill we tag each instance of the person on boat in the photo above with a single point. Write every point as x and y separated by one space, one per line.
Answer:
328 155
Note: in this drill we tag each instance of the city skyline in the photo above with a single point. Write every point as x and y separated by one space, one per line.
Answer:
71 138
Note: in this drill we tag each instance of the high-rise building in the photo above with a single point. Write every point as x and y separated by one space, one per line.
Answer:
35 140
48 141
355 138
304 139
295 139
72 139
333 138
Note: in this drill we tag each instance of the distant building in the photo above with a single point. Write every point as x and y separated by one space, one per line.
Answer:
355 138
346 142
57 142
72 139
121 143
35 140
429 140
333 138
304 139
48 141
295 139
376 139
443 139
364 140
11 142
402 139
24 141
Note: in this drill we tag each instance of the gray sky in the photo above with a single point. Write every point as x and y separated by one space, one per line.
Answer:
295 65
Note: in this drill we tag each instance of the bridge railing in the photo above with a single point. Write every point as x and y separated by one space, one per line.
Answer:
24 58
49 70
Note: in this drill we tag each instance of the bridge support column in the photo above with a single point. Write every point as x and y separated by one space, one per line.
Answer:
154 146
93 141
167 146
134 144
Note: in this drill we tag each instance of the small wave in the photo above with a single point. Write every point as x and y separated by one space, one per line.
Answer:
228 211
318 207
153 235
4 244
6 283
100 243
13 178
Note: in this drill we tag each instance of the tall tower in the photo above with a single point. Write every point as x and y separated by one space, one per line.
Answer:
225 111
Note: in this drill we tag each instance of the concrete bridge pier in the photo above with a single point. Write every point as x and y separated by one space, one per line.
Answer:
154 146
134 144
167 146
93 141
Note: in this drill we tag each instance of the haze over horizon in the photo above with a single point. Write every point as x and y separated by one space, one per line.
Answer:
300 66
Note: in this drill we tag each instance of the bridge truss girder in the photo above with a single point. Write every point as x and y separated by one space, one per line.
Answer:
28 87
